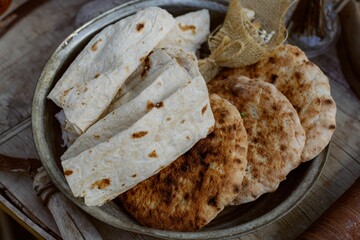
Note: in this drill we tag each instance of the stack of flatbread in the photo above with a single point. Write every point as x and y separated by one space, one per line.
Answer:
288 116
190 192
306 87
140 124
130 107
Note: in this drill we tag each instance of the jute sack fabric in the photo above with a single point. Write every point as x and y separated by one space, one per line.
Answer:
237 43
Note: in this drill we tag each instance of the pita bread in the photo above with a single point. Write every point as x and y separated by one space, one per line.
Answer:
191 30
191 191
306 87
167 131
275 136
91 82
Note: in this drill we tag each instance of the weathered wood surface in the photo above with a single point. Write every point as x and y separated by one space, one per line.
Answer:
71 222
24 51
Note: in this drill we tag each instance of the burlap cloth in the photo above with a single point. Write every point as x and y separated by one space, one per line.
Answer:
237 42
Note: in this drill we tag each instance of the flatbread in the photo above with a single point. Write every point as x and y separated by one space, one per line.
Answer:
275 135
170 69
306 87
91 82
143 76
187 60
191 30
147 72
191 191
166 81
68 136
167 131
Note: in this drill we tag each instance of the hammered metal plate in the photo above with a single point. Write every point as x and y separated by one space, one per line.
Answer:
234 221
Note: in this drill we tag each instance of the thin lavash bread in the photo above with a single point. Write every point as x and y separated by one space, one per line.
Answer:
164 81
93 79
167 131
191 191
144 75
275 136
191 30
306 87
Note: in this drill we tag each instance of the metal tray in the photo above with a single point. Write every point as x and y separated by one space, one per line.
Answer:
234 221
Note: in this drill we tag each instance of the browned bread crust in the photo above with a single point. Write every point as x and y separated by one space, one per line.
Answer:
191 191
306 87
275 135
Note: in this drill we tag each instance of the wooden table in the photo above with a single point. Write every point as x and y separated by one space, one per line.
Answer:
25 49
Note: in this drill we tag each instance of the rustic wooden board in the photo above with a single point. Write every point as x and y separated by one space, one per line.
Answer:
24 51
17 188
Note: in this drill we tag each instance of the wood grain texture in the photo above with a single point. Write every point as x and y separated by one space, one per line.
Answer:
24 51
71 221
24 220
341 220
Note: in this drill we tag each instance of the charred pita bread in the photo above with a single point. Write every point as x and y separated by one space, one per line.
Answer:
275 136
191 191
306 87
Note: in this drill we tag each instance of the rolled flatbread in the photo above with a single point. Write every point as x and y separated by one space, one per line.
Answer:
191 30
169 69
139 80
143 76
197 26
187 60
91 82
154 61
167 131
168 79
